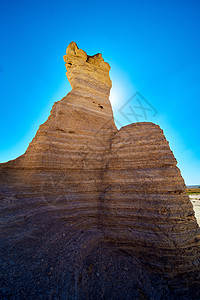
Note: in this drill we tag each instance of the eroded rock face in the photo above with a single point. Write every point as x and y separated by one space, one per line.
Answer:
92 212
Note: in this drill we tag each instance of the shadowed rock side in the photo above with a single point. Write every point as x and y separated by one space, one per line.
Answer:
90 212
145 207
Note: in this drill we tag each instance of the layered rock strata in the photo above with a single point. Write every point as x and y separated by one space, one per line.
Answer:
145 205
90 211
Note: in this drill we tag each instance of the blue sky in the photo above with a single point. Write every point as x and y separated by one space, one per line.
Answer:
152 46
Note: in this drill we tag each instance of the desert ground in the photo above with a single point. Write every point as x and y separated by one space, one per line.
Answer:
194 194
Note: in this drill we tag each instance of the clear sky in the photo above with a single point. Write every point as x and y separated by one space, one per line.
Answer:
152 46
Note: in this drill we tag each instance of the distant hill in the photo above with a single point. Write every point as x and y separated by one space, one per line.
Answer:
193 186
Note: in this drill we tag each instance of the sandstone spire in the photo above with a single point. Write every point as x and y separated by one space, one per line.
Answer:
90 211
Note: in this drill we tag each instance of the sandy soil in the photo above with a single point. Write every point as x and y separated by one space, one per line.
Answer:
195 197
195 200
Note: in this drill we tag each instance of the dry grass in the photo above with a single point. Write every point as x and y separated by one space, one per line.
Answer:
193 191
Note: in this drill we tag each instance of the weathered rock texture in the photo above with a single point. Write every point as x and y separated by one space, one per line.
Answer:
90 212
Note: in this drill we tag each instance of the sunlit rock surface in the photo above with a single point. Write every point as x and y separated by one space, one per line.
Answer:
92 212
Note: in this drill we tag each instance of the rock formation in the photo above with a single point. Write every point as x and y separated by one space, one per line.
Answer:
92 212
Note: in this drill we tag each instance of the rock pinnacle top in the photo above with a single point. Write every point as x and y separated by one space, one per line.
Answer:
81 66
